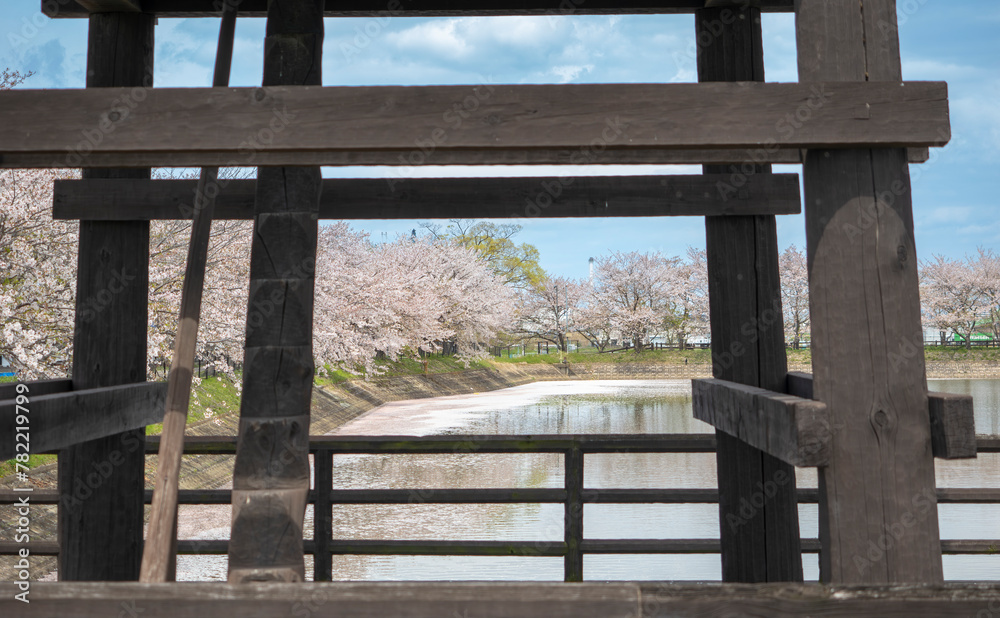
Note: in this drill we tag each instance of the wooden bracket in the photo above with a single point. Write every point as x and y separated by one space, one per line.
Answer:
953 424
59 420
793 429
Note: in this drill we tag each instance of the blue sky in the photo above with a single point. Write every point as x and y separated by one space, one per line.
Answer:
955 194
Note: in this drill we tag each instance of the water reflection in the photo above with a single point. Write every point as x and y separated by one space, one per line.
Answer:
653 406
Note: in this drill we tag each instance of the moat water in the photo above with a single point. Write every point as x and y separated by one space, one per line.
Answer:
641 406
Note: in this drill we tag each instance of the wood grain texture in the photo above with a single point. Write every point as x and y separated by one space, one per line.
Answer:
450 198
948 495
100 524
417 8
747 333
502 600
953 425
535 156
400 125
36 387
60 420
159 559
794 430
271 473
878 490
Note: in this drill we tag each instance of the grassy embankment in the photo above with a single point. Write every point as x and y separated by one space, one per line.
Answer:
219 396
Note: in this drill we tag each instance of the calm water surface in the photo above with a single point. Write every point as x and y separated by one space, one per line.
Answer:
645 406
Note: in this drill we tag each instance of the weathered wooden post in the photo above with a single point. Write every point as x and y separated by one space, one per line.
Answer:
758 513
271 476
101 481
878 508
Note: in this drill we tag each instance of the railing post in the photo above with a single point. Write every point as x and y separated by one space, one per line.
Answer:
573 565
322 516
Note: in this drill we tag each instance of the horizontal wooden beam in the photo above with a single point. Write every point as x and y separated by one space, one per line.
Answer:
793 429
38 387
100 6
953 423
447 198
548 599
945 495
415 8
420 125
60 420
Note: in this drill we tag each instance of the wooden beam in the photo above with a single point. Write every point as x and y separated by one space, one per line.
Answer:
448 198
271 472
793 429
498 599
953 423
419 8
744 289
867 355
38 387
415 125
101 6
100 527
60 420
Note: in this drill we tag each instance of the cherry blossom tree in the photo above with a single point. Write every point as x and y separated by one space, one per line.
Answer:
548 309
953 295
398 298
635 287
594 319
794 274
687 304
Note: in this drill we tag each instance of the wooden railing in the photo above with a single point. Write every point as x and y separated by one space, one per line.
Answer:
573 495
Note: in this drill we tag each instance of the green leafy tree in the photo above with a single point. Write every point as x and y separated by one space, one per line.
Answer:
515 264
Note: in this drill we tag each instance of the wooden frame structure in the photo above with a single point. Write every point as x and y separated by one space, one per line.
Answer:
852 122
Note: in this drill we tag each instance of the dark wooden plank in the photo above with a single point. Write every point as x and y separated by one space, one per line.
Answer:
866 335
502 600
38 387
64 419
322 515
448 198
793 429
953 424
418 8
100 523
573 516
271 473
411 125
947 495
103 6
412 600
547 156
747 334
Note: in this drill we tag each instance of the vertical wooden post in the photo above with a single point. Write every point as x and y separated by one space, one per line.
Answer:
878 509
758 513
573 511
271 474
322 516
101 482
